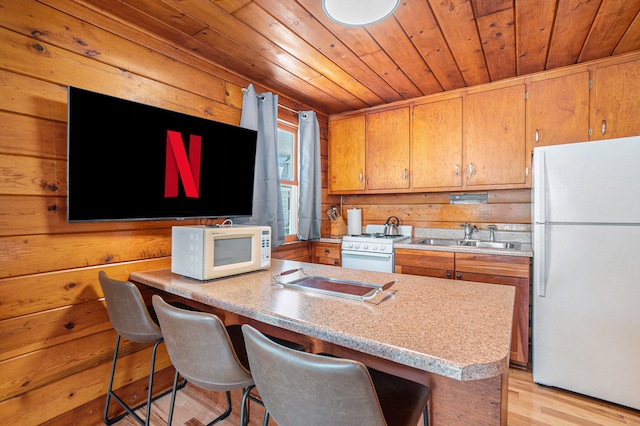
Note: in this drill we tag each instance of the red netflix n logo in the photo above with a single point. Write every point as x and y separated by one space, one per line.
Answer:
178 163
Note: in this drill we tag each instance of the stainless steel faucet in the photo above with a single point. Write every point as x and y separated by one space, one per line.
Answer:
492 232
468 230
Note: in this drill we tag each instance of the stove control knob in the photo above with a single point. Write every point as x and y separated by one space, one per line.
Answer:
357 245
375 247
365 246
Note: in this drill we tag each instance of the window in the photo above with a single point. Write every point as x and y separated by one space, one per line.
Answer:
288 165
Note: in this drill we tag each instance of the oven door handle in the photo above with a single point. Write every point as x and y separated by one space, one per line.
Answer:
365 254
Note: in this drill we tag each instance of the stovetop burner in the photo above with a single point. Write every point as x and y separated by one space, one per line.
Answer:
378 235
377 232
373 240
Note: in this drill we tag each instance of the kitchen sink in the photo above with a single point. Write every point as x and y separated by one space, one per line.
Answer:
439 242
469 243
489 244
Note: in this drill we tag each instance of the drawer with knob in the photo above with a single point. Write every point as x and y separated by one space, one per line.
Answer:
327 253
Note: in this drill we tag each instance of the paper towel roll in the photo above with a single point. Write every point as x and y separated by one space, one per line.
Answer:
354 223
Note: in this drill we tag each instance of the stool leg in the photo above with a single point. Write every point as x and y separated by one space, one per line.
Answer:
226 413
151 374
173 398
111 393
109 389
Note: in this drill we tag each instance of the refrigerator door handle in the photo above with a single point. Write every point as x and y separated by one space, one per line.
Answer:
540 261
539 188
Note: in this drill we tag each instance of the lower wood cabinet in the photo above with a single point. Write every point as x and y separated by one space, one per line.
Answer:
327 254
486 268
437 264
299 251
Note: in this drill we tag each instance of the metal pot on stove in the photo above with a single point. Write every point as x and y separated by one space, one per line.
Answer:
392 226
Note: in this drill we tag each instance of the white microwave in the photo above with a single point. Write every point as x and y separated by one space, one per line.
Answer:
208 252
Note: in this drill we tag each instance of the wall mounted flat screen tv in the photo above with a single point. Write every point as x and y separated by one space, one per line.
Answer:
129 161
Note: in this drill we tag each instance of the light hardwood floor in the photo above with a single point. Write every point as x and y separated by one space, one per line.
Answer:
529 404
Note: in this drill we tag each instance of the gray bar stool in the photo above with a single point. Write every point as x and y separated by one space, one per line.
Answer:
316 390
202 352
130 319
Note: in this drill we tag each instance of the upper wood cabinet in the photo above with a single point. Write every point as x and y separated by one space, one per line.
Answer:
558 110
616 107
347 154
494 138
482 138
436 145
387 149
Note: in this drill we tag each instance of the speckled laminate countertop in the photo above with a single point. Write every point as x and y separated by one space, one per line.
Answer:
456 329
522 238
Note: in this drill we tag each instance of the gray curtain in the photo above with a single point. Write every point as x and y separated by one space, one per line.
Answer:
260 112
310 199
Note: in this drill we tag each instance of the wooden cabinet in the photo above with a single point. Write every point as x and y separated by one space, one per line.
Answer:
388 146
370 152
506 270
387 149
558 110
615 105
347 154
481 138
436 145
473 143
494 138
327 254
437 264
486 268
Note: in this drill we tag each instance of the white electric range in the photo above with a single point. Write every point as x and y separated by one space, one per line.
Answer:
373 250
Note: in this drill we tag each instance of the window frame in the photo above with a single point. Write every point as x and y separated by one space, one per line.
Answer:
292 129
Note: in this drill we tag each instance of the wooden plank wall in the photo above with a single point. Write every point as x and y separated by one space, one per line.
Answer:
55 336
56 340
509 209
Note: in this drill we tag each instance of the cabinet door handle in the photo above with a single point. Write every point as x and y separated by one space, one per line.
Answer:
470 169
326 250
537 136
404 174
604 126
457 171
360 176
448 274
458 276
335 261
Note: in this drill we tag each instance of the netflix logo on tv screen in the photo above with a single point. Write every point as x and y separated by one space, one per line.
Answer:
129 161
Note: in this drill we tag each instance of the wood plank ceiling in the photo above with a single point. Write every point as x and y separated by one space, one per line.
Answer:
426 47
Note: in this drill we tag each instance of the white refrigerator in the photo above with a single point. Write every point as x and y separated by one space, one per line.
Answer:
586 269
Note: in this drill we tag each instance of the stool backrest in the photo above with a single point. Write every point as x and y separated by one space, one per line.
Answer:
200 348
127 311
301 388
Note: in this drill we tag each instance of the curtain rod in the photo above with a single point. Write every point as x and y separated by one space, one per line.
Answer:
261 97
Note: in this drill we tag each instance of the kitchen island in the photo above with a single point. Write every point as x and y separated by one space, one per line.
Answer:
453 336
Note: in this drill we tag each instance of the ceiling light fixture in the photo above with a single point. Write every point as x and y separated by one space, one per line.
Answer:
359 12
